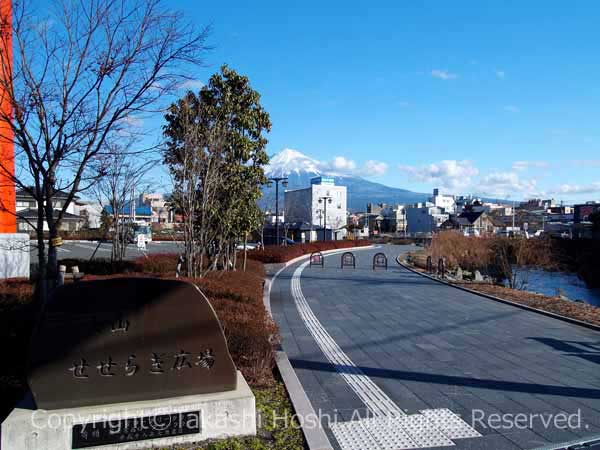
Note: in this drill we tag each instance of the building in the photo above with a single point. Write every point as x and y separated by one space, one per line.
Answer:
446 202
424 218
143 213
537 204
90 213
27 214
474 223
161 211
582 212
308 206
394 219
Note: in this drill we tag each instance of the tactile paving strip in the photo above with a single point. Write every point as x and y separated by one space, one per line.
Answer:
450 424
353 436
388 433
423 432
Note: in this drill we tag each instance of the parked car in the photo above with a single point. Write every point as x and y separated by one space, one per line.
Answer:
249 246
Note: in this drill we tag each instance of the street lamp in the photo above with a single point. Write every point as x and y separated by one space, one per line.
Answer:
325 199
284 183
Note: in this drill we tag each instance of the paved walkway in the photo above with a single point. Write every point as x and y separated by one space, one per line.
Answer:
393 360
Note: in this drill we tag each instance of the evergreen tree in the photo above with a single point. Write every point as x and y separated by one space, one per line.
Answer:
216 153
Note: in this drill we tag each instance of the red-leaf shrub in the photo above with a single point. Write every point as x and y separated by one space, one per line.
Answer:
159 263
279 254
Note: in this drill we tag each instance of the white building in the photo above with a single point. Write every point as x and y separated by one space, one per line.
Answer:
161 211
424 218
394 218
90 213
443 201
308 206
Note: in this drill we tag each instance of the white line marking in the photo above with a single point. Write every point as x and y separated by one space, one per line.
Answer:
373 397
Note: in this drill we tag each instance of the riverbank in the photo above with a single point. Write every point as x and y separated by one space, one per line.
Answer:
552 304
575 310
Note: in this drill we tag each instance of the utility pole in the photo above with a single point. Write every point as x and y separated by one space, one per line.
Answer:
325 199
284 183
513 208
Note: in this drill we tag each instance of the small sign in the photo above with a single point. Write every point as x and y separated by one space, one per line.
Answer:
134 429
316 259
141 242
380 260
348 260
56 242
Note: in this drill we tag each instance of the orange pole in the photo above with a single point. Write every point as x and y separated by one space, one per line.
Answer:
8 220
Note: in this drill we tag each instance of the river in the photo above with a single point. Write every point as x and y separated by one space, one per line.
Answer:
548 283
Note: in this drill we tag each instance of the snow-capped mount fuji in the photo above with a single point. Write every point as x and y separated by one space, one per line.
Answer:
289 161
300 168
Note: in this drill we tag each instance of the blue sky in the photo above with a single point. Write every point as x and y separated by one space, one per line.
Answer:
494 97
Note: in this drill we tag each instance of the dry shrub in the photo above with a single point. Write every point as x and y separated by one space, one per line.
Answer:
159 263
237 297
470 253
272 254
100 266
498 256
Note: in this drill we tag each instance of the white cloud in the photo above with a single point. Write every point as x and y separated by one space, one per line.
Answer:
507 183
500 74
590 188
343 164
191 85
451 174
375 168
525 165
512 108
443 74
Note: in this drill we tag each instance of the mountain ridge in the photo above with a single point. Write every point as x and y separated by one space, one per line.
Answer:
300 168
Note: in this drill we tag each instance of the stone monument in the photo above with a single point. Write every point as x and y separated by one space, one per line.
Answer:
129 363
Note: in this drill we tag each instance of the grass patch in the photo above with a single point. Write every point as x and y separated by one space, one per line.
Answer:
273 431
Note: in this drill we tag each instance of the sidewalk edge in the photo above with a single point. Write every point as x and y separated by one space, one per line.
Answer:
316 439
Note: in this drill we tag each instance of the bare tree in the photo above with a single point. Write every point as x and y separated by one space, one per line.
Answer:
78 76
515 257
123 170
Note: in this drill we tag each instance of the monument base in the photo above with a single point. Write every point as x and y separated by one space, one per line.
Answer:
14 255
134 425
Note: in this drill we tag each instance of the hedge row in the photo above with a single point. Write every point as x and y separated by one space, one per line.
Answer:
279 254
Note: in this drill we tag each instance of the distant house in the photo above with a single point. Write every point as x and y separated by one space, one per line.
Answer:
473 223
27 214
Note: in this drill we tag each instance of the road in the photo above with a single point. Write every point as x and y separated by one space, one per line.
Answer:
84 250
392 360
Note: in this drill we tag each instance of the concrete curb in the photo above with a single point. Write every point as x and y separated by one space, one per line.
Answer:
502 300
315 436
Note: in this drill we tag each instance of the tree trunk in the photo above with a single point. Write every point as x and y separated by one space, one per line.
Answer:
245 249
234 256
